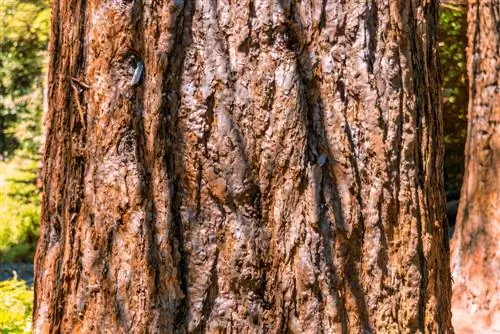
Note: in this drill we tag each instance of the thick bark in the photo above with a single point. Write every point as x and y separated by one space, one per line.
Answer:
475 244
277 169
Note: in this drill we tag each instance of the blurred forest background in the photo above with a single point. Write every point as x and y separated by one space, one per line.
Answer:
24 33
23 42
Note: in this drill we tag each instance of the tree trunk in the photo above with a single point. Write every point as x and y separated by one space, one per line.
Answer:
475 244
277 167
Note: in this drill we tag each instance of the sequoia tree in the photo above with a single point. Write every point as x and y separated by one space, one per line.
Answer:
246 167
475 244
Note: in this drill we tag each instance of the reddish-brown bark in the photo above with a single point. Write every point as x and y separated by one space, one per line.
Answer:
476 240
277 169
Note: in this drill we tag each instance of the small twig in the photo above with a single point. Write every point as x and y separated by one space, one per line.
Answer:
457 8
456 5
78 105
81 83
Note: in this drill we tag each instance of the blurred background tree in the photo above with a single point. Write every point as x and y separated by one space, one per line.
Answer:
475 256
24 28
23 43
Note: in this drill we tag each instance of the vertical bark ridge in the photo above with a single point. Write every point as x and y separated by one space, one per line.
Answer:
63 173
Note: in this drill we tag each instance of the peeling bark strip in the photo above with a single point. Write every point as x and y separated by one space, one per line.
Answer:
475 255
277 168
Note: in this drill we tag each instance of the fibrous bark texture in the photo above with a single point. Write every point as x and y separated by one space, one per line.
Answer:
476 240
278 168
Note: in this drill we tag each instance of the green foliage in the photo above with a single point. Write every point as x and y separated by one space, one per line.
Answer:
19 209
453 38
16 300
24 28
23 39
